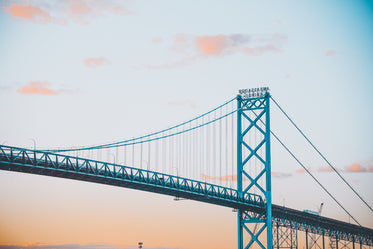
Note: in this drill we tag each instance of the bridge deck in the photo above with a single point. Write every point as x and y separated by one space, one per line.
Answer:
50 164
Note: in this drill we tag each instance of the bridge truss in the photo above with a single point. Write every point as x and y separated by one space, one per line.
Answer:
63 166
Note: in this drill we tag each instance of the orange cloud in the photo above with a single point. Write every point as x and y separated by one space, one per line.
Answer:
94 62
79 7
228 178
36 87
28 12
301 171
211 45
80 11
330 52
355 168
207 177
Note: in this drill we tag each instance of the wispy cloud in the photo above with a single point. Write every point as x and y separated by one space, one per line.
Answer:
44 88
355 168
330 52
280 174
278 21
63 11
301 171
95 62
37 87
157 40
193 47
325 169
28 12
224 178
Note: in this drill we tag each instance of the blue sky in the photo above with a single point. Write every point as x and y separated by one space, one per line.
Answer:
87 72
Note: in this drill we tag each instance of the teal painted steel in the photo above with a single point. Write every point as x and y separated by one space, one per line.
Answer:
252 111
46 163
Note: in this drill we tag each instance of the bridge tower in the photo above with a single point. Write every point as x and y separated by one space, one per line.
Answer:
254 165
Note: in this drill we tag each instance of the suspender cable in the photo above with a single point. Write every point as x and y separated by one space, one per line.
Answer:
286 148
322 156
220 147
319 183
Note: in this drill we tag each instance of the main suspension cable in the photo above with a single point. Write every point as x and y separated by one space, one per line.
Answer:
323 157
125 142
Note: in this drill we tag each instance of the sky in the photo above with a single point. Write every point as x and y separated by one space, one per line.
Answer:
82 72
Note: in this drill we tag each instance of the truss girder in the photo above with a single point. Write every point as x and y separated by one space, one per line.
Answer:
49 164
46 163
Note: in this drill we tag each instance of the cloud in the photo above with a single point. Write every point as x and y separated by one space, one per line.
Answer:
157 40
193 47
280 174
28 12
355 168
325 169
330 52
207 177
222 178
277 21
301 171
260 50
36 87
63 11
94 62
182 103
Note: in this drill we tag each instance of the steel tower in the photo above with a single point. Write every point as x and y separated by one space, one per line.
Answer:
254 165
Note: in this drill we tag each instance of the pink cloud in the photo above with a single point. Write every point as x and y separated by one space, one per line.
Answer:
61 12
287 76
330 52
36 87
95 62
212 46
28 12
355 168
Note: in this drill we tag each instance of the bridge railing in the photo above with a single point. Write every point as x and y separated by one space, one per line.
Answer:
63 163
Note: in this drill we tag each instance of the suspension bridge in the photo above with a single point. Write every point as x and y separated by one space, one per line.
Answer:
222 157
